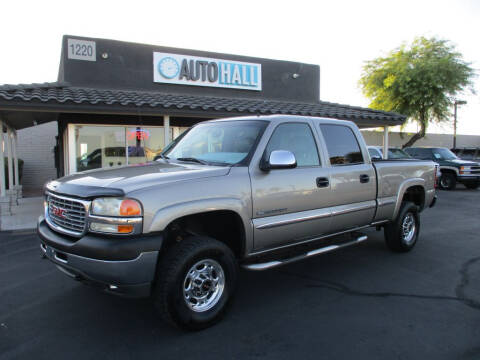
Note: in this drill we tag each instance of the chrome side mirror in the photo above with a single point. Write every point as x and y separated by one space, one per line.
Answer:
279 159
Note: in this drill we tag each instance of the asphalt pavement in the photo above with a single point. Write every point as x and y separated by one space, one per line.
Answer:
362 302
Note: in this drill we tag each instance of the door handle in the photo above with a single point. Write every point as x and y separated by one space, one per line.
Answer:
364 178
322 182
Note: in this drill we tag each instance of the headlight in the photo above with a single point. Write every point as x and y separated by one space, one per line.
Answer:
116 207
116 216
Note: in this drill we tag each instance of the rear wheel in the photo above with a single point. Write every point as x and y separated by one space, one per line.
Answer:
195 282
401 234
472 185
448 181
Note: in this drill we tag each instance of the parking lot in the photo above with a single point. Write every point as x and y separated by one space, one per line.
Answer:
363 302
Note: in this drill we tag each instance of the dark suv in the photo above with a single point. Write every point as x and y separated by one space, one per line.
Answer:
452 168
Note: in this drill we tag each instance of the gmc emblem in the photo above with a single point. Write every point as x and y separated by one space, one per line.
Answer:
57 211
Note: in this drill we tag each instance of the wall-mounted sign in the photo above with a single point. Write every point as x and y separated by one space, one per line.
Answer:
81 50
202 71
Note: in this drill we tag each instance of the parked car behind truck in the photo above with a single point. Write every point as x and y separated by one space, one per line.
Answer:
452 168
258 192
376 152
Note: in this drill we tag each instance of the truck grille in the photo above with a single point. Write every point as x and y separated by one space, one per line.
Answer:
68 214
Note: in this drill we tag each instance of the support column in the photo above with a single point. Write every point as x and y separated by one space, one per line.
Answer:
166 129
2 162
4 200
17 187
11 190
385 142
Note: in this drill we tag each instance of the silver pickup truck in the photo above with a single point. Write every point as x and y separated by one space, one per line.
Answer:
256 192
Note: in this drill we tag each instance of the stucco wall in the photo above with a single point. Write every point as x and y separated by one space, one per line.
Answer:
35 148
441 140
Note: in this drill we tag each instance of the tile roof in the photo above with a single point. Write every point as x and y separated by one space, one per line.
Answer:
61 93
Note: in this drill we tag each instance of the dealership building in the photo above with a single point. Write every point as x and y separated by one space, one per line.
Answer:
117 103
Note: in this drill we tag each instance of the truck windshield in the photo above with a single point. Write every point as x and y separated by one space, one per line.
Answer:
217 143
444 154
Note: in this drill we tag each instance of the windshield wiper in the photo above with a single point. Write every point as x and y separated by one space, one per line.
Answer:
192 159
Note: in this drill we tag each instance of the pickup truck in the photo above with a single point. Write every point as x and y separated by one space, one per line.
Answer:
252 192
453 170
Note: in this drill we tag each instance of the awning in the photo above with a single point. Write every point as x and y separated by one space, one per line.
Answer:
23 106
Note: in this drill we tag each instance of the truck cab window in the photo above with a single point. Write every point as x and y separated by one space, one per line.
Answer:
298 139
342 145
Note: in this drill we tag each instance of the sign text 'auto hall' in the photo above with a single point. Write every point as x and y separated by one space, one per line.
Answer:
201 71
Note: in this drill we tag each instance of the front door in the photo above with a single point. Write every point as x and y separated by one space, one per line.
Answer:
290 205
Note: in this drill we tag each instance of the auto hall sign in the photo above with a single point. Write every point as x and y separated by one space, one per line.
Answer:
202 71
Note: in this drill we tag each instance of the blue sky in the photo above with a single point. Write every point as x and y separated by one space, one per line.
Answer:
337 35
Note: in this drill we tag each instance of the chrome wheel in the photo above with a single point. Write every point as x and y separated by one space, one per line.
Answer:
203 285
445 182
408 228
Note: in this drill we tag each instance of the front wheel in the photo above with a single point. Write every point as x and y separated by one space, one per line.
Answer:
195 282
401 234
448 181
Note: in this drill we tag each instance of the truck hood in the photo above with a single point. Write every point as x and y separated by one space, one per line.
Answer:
121 180
460 162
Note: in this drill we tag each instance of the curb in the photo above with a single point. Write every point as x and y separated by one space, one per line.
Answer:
23 231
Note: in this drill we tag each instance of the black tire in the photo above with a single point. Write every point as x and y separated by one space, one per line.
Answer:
448 181
176 263
472 185
394 235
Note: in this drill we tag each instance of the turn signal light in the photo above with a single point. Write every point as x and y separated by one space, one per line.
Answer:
125 229
129 207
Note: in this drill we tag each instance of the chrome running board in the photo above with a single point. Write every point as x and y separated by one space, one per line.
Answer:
322 250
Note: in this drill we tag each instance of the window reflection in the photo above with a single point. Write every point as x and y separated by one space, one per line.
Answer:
108 146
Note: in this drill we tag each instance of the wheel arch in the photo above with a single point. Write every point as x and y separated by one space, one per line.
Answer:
449 169
217 218
411 190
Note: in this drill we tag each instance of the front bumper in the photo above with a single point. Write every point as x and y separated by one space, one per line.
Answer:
468 178
122 266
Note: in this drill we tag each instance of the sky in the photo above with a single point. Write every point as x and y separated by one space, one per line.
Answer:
338 35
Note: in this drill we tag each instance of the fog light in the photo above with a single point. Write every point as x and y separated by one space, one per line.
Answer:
101 227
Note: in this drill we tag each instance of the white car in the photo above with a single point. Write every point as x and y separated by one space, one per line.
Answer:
376 152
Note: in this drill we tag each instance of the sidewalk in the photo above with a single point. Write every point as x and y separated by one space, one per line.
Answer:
24 215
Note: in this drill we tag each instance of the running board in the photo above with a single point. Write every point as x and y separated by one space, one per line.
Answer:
322 250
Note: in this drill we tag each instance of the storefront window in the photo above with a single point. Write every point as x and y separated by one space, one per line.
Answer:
99 146
104 146
144 143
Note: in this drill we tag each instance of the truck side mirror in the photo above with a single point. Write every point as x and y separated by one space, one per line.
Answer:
279 159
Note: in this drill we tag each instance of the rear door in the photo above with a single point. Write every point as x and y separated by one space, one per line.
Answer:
290 205
352 177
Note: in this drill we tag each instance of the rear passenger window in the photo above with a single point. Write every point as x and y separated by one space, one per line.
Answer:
298 139
342 145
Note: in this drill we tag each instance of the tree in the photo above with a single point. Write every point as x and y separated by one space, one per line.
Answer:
419 81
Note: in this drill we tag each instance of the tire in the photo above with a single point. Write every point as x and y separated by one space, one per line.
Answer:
396 238
187 261
448 181
472 185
